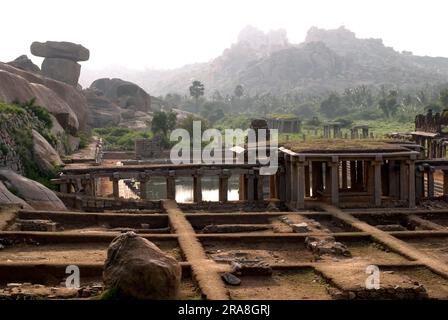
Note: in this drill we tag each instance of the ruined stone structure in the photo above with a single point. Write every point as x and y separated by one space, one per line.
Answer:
285 125
148 148
430 133
332 130
364 132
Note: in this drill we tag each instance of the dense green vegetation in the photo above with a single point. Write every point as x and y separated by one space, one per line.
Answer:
31 117
384 109
117 138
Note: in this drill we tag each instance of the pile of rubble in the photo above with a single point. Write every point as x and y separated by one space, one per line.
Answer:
28 291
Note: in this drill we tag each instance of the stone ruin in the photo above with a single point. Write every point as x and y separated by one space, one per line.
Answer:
433 123
148 148
61 60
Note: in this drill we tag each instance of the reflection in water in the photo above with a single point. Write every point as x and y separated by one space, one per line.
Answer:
156 189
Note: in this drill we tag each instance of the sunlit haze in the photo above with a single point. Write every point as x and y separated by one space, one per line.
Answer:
167 34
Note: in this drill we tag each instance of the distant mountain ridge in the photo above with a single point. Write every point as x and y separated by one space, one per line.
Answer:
327 60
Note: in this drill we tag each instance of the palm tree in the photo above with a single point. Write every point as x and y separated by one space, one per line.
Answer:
196 91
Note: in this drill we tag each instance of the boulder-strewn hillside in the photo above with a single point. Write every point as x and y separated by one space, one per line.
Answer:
326 60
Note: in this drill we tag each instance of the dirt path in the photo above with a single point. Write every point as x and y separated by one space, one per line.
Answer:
203 269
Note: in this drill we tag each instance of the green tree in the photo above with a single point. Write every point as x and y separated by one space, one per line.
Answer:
239 91
163 122
197 90
331 107
389 104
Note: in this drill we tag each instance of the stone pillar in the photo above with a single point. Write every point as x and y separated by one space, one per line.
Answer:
300 177
377 191
294 182
250 186
344 174
273 193
334 181
353 174
171 185
411 195
404 190
224 186
287 179
143 180
115 188
197 187
419 183
307 180
281 184
430 180
260 194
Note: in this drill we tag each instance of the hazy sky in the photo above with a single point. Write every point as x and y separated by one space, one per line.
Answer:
171 33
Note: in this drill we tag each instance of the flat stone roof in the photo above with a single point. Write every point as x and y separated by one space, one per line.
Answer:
343 146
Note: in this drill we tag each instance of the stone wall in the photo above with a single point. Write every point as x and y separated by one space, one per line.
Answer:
9 156
148 148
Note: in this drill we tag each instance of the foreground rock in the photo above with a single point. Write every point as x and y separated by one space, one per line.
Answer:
47 159
137 268
7 197
35 194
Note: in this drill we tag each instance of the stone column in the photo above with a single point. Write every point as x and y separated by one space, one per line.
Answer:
115 188
281 184
419 183
197 187
294 182
171 185
300 177
287 178
377 191
273 193
411 195
224 186
334 181
250 186
430 180
260 194
404 190
352 174
344 174
143 180
307 180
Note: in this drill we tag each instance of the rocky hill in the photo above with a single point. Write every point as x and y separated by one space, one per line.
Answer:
326 60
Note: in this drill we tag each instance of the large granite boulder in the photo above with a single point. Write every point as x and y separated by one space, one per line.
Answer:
60 61
126 94
102 111
62 70
63 50
35 194
138 269
47 159
65 102
7 197
24 63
